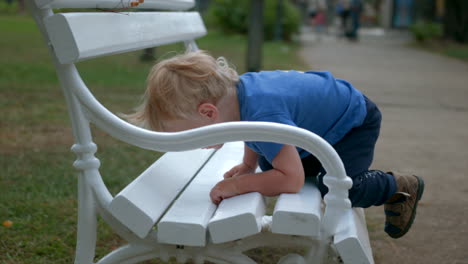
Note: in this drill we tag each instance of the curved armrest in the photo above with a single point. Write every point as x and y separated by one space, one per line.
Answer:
336 180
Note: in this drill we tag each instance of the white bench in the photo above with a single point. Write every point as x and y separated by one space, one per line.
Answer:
166 211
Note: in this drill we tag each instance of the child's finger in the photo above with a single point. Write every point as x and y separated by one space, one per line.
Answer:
214 146
230 173
215 196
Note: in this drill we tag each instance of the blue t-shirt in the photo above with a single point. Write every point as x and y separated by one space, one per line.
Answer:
313 100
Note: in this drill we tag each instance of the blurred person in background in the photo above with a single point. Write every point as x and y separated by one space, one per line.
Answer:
317 10
349 12
355 16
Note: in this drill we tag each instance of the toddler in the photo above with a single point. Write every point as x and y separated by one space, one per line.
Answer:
194 90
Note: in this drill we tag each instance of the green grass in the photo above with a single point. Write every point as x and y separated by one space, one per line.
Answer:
37 180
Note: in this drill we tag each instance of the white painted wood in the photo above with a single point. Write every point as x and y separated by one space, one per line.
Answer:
136 209
139 205
298 214
292 259
80 36
187 220
352 238
237 217
117 4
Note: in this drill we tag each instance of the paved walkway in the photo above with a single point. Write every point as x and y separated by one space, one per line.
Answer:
424 101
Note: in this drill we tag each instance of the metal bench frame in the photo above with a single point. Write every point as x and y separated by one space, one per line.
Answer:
342 230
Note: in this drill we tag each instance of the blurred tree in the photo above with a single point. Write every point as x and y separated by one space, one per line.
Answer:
149 54
425 10
279 20
232 16
21 5
202 5
456 20
255 33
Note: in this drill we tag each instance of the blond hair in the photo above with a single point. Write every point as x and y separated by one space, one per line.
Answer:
178 85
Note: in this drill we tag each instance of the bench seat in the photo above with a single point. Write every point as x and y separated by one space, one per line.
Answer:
145 200
172 196
193 219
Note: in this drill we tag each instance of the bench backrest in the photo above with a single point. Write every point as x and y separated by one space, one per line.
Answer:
79 36
116 4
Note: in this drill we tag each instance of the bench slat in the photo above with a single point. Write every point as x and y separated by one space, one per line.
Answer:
237 217
299 213
352 238
79 36
116 4
187 220
139 205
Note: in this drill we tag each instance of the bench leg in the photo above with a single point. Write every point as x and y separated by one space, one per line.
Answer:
226 253
87 225
130 254
292 259
237 259
136 253
86 163
319 253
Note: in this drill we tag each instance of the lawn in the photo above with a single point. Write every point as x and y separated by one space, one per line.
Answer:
38 182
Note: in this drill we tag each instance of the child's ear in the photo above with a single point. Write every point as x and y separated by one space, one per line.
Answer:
208 110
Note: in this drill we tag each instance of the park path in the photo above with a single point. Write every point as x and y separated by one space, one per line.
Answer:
424 101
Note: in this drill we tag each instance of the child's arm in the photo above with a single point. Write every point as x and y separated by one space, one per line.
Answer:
287 176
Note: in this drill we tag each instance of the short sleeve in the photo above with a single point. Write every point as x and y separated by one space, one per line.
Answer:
269 150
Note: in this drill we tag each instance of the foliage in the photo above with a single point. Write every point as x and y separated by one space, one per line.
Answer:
423 31
456 20
10 7
231 16
424 10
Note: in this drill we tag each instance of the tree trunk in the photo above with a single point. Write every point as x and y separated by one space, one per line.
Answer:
456 20
255 38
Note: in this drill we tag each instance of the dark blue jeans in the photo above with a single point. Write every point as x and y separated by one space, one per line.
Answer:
356 150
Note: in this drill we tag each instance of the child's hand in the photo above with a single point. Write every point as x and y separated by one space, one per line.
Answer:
224 189
214 146
239 170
